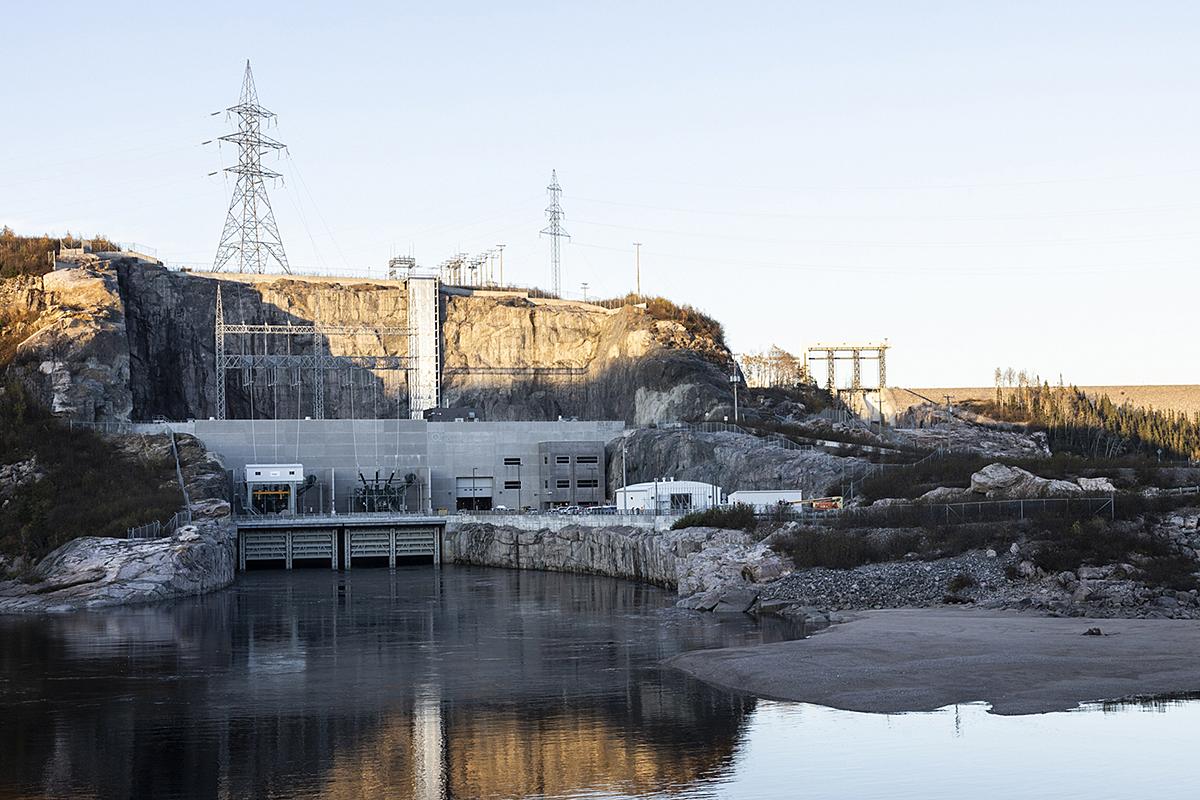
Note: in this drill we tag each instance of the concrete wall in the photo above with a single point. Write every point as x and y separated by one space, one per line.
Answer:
437 452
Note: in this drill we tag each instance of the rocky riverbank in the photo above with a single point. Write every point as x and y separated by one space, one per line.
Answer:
711 563
95 572
100 571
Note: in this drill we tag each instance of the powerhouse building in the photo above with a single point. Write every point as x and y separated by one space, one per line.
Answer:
443 467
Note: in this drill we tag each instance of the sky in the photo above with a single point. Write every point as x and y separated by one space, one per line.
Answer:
982 184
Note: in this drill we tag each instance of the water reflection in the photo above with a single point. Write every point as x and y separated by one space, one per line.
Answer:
421 683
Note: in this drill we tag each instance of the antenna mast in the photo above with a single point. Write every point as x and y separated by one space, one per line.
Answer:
555 231
250 238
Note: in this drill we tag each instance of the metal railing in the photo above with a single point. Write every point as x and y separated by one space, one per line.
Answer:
158 530
101 427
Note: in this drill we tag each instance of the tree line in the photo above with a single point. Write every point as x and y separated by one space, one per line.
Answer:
1093 425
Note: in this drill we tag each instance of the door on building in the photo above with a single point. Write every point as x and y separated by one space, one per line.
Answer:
474 493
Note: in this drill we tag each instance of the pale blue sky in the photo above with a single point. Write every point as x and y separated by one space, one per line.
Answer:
984 184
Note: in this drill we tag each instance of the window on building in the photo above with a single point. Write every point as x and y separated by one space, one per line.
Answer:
587 460
563 483
512 484
587 483
547 484
562 459
512 461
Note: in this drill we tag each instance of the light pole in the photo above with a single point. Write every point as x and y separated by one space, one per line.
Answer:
733 378
500 247
637 266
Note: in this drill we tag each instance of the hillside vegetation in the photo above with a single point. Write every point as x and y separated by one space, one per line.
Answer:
1093 425
28 255
71 482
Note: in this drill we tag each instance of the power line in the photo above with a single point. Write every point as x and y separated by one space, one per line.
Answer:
897 217
956 269
851 243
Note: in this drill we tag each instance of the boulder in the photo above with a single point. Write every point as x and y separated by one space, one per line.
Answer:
1002 482
736 600
1096 484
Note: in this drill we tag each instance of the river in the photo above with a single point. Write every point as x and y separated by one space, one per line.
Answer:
482 683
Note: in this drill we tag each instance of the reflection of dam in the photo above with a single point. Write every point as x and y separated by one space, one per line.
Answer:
425 683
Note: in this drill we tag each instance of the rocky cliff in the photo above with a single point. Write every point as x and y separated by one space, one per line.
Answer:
122 339
730 460
66 335
710 568
518 358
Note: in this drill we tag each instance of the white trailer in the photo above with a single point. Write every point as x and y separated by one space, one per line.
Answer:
766 500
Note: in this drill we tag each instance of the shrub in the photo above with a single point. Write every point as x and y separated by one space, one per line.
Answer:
29 255
739 516
842 549
1065 545
90 487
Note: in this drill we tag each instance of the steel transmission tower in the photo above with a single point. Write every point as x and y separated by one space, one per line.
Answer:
250 238
555 231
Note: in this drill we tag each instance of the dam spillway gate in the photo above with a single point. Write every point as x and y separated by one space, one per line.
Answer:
339 540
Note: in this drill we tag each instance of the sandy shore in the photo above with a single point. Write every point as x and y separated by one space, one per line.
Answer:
922 659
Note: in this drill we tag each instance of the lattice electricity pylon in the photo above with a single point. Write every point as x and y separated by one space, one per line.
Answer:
251 238
317 363
555 231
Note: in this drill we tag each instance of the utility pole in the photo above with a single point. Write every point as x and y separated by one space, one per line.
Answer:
584 286
733 378
250 238
555 230
637 261
500 247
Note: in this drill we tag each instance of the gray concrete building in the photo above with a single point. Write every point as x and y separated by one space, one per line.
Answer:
442 467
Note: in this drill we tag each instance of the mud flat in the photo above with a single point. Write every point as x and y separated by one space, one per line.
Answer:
899 660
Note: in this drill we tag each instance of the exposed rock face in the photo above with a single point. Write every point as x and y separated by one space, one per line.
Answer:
730 460
94 572
72 354
930 427
536 359
706 565
120 339
172 350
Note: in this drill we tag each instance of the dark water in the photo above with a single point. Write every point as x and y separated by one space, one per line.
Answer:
465 683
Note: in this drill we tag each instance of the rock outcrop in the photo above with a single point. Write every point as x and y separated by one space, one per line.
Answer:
97 571
521 358
730 460
94 572
930 427
69 344
707 566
